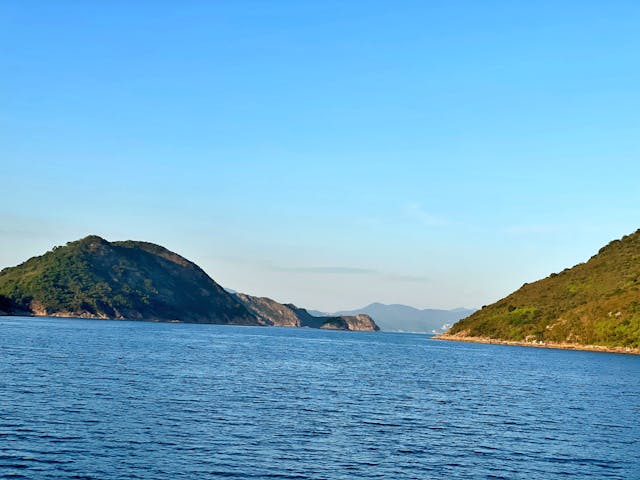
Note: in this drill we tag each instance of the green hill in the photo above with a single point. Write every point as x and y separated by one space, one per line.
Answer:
95 278
594 303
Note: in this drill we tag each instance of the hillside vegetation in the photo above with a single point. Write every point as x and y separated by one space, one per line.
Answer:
593 303
92 277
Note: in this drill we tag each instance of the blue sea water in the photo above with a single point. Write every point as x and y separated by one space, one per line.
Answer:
105 399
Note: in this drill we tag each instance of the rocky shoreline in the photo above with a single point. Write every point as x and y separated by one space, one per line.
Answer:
559 346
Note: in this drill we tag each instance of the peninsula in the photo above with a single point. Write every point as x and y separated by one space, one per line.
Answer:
592 306
132 280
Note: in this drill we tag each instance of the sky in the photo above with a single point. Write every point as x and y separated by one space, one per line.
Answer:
329 154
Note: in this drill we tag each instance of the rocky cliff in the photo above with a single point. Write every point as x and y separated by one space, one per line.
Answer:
270 311
289 315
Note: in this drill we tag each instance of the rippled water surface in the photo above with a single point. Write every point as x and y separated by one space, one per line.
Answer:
106 399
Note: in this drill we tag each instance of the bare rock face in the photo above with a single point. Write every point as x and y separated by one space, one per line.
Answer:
361 322
289 315
270 311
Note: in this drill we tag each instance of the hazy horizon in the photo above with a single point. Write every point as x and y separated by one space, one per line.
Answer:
326 154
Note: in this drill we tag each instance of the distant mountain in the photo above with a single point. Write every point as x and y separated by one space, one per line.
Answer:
397 317
94 278
595 303
288 315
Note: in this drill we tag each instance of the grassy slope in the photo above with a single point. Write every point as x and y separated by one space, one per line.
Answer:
593 303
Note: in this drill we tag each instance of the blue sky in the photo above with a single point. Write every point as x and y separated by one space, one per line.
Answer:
332 154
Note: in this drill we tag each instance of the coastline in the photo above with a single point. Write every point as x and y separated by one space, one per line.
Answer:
70 316
553 345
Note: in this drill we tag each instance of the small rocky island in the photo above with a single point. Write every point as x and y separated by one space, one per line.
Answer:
94 278
594 306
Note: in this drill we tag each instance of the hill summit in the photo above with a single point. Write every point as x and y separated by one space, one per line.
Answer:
94 278
596 303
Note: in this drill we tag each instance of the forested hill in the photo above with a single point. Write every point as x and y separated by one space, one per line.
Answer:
593 303
95 278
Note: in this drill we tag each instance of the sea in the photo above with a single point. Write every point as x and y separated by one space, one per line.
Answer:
93 399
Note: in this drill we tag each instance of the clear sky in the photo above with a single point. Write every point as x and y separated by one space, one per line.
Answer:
329 153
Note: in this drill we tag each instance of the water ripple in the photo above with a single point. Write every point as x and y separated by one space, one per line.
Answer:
92 400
